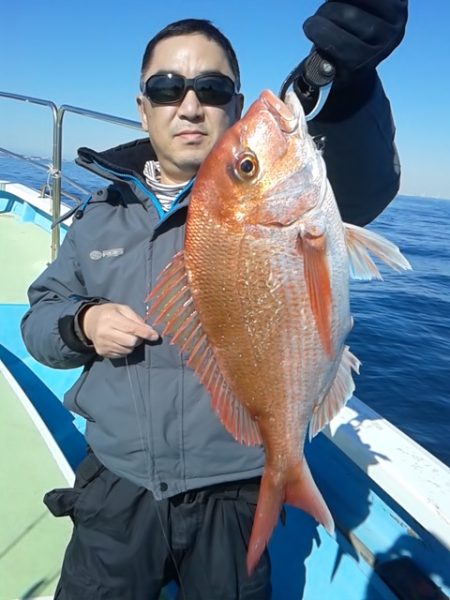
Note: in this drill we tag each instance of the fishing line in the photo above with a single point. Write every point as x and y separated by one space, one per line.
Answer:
158 512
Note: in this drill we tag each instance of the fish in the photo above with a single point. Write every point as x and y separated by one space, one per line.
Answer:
259 298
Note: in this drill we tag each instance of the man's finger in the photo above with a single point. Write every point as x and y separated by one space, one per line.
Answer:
144 331
139 326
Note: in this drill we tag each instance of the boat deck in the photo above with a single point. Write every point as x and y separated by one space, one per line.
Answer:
32 542
25 245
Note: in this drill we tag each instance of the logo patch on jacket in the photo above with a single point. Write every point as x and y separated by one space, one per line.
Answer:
98 254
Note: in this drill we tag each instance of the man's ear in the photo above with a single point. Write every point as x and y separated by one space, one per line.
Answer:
239 105
140 101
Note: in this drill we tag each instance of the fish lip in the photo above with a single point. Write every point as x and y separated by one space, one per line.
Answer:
285 113
292 101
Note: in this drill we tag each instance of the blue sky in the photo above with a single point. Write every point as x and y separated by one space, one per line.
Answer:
88 54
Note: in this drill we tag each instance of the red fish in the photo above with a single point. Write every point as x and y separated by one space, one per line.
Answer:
259 298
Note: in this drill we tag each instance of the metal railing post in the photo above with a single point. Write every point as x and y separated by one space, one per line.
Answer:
56 184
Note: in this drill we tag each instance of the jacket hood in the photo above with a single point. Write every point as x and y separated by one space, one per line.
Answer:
124 160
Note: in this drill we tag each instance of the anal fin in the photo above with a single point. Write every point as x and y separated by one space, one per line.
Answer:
341 390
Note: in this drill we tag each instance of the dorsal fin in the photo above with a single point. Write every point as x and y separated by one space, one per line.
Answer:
341 391
171 304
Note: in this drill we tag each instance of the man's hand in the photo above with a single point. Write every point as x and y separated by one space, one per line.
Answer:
115 329
357 35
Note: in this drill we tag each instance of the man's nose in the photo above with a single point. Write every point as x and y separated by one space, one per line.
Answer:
191 107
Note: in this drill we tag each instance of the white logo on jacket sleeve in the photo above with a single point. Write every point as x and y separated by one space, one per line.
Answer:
98 254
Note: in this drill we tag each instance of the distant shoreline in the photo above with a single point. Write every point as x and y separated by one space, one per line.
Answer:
422 197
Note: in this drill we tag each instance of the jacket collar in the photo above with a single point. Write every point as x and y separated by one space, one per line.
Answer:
125 163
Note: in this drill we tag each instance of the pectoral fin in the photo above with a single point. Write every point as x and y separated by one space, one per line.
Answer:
359 242
171 304
317 277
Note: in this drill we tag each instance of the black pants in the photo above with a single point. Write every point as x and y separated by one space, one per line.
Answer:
127 546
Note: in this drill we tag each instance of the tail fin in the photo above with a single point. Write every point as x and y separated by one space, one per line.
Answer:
297 488
270 501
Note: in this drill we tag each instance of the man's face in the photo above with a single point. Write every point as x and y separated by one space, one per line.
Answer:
182 134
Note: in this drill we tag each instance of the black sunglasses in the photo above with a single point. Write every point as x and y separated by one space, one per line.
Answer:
169 88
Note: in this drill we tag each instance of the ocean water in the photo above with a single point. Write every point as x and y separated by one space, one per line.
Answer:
402 324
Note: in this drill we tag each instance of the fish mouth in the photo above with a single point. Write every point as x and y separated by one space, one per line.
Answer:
277 224
286 113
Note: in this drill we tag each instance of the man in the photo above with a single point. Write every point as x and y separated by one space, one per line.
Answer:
166 493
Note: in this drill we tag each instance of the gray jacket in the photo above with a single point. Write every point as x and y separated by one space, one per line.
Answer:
148 417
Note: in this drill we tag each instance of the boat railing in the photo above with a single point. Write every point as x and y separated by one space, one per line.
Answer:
54 169
47 168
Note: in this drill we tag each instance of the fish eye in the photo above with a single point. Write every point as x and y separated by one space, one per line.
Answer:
246 166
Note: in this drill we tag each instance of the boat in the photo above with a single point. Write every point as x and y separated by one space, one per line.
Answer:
388 495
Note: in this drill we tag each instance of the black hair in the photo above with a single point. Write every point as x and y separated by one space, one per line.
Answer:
190 27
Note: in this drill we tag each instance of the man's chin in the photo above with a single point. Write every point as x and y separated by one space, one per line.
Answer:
190 162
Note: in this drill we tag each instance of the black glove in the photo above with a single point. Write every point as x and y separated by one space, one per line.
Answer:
357 35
